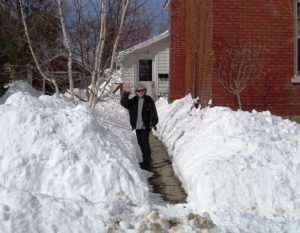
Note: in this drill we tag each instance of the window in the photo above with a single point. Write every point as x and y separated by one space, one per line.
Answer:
297 52
145 70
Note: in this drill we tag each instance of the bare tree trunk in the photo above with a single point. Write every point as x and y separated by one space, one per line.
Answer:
98 54
38 66
115 46
239 100
70 74
44 86
79 38
67 44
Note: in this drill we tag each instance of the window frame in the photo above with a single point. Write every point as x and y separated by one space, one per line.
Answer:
139 70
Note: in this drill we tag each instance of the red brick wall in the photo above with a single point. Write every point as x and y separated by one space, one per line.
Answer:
199 26
177 49
196 27
270 24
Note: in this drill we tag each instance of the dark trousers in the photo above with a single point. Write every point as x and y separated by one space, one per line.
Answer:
143 141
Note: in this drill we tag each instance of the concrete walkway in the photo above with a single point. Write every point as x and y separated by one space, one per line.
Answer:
164 181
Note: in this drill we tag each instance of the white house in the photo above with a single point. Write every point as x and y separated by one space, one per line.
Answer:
147 62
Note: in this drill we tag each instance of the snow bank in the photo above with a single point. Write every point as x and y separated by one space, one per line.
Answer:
19 86
106 89
52 147
234 161
114 81
28 212
63 169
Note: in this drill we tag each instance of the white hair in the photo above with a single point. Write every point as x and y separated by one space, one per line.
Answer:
141 86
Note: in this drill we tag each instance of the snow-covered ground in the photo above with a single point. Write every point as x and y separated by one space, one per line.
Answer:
63 169
243 168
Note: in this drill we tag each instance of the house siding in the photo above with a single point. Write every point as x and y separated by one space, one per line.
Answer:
208 23
128 71
159 53
163 68
163 61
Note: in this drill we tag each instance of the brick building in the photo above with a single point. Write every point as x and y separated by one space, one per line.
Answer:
197 28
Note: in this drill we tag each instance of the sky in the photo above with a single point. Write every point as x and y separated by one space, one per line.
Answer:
156 3
162 14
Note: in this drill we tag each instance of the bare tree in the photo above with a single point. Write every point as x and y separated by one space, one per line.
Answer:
110 26
140 24
98 55
68 45
106 80
93 32
96 38
236 64
36 60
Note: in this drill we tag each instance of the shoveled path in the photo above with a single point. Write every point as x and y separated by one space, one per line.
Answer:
164 181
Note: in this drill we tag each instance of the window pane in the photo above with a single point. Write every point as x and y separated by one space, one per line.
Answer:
145 70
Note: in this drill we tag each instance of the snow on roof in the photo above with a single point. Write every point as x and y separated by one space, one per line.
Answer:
144 44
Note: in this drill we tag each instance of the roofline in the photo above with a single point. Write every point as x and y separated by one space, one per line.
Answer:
63 54
144 44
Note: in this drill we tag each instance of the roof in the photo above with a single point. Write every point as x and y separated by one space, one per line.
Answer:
75 59
144 44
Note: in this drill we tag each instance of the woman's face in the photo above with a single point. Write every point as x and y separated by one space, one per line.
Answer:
140 92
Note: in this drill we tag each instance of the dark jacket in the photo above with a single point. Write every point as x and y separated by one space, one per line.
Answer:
149 113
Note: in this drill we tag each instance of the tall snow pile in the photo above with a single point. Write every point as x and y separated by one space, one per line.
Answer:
234 161
21 86
63 169
56 159
106 90
52 147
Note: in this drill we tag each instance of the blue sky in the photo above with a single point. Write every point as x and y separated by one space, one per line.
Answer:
156 3
160 12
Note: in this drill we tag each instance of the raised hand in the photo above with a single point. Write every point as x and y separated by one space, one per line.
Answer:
126 87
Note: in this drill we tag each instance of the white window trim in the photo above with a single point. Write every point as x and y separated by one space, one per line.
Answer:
144 57
296 79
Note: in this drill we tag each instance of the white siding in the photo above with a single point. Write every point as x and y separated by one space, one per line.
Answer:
163 68
128 71
159 53
163 61
163 88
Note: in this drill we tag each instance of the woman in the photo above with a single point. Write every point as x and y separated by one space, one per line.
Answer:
143 117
